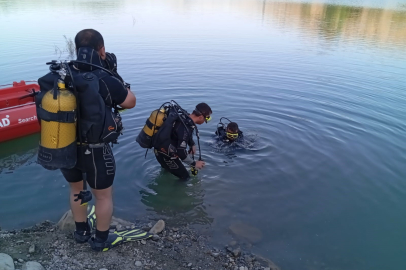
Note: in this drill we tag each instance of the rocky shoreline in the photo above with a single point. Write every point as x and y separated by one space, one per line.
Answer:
51 246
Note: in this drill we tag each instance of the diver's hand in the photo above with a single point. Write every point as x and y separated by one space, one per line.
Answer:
192 150
200 164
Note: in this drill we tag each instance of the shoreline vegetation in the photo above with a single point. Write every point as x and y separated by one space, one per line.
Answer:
51 246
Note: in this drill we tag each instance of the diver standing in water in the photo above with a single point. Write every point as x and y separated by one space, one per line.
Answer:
96 122
229 132
174 134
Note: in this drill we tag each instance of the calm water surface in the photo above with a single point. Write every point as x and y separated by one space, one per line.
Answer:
318 88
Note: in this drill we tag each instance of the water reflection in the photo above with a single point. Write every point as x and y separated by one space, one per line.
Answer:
178 201
17 153
333 21
383 23
92 7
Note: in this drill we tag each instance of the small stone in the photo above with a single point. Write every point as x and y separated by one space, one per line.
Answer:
31 249
103 269
189 265
267 268
155 237
237 252
143 242
175 229
20 241
169 238
20 260
215 254
138 263
247 259
28 255
158 227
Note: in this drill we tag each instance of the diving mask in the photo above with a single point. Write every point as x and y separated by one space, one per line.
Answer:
232 136
206 118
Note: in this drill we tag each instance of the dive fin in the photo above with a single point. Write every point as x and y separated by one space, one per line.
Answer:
125 235
133 234
91 218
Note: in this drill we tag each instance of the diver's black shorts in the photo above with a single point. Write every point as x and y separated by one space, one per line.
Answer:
174 166
99 165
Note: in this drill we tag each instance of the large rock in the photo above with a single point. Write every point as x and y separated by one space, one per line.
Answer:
158 227
263 261
32 266
6 262
120 221
67 223
246 232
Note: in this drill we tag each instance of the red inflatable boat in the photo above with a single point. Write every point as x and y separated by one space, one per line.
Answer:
18 116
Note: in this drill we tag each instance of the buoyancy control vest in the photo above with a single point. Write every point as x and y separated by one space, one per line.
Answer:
98 122
111 127
158 127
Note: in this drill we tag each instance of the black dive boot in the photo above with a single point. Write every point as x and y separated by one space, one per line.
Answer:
82 236
112 241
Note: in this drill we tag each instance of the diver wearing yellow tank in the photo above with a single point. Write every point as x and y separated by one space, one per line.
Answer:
95 158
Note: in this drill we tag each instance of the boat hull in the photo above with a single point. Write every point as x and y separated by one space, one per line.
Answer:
18 115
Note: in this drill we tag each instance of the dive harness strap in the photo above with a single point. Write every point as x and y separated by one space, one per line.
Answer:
60 116
151 125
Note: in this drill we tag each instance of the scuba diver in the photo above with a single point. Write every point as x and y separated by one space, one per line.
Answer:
174 133
88 96
228 132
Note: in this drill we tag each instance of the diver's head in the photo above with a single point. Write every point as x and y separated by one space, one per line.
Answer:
232 131
201 114
93 39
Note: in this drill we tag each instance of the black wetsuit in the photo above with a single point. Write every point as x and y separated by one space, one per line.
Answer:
222 134
98 160
173 157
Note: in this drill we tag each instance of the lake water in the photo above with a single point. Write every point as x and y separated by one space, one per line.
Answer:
318 87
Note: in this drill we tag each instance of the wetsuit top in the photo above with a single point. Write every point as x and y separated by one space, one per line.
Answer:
222 133
182 137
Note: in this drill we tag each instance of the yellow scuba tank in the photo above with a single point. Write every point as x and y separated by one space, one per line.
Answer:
152 125
56 135
57 111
